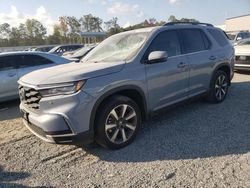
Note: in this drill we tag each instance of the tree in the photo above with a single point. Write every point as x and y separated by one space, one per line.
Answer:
56 37
35 31
152 21
4 30
14 37
73 24
112 26
74 28
174 19
35 28
63 25
91 23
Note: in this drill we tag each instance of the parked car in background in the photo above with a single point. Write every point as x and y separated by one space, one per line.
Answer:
238 36
79 54
123 80
59 50
43 48
242 55
14 65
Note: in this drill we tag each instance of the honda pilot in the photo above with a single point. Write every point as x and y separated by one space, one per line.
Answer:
127 77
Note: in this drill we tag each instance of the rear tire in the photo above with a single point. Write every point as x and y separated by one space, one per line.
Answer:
117 123
219 87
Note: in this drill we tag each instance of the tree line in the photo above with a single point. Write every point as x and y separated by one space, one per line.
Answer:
68 29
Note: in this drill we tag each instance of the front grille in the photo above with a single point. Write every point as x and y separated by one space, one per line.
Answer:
242 60
29 97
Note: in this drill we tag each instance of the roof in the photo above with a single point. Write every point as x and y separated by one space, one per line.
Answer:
187 23
23 53
238 16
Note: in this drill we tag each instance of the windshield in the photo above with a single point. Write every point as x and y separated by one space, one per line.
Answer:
119 47
53 49
82 51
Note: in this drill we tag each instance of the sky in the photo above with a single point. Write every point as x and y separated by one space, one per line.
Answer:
128 12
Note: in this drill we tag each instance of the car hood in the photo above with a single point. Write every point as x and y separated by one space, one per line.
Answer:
70 72
242 50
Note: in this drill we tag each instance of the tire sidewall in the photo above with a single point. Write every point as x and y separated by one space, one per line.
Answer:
105 109
213 91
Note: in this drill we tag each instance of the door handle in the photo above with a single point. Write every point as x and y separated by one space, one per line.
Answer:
212 58
11 74
181 65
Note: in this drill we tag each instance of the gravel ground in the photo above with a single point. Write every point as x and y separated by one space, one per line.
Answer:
194 145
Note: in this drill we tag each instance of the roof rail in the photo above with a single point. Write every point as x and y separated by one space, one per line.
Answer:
186 23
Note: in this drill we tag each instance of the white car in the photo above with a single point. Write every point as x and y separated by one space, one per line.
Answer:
242 55
14 65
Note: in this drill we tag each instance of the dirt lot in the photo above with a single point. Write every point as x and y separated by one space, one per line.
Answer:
194 145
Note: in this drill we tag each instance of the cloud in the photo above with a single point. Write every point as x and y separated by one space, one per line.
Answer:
103 2
125 8
174 1
15 17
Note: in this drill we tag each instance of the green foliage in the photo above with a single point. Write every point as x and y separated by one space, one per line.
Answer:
91 23
68 30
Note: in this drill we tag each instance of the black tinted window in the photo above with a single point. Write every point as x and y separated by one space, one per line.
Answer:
33 60
194 40
8 62
219 36
166 41
206 41
245 35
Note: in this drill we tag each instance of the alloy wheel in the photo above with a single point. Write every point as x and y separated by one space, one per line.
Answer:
221 86
121 123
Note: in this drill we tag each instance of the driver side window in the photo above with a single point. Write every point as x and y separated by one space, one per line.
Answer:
166 41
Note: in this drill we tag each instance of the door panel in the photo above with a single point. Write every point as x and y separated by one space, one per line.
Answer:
201 59
167 81
200 72
8 78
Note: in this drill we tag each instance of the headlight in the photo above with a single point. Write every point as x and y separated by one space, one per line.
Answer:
62 89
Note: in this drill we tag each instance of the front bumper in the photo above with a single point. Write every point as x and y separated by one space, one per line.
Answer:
57 138
242 67
61 119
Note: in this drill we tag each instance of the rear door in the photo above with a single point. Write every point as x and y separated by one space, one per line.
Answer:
30 63
8 77
197 48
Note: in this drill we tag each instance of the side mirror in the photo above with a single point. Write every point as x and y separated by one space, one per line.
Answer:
238 38
157 57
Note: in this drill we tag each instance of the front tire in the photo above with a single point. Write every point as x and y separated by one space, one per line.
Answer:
118 121
219 87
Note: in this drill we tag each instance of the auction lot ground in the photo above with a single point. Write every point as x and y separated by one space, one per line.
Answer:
194 145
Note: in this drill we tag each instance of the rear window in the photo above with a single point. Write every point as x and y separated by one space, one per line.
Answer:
8 62
195 40
219 36
33 60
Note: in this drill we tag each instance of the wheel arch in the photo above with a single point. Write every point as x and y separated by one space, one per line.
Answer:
131 91
224 67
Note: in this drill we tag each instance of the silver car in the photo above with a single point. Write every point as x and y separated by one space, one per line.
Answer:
14 65
125 79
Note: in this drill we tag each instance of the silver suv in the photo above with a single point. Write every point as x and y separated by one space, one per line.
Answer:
125 79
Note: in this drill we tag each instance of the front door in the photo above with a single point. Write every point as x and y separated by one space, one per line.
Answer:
167 81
